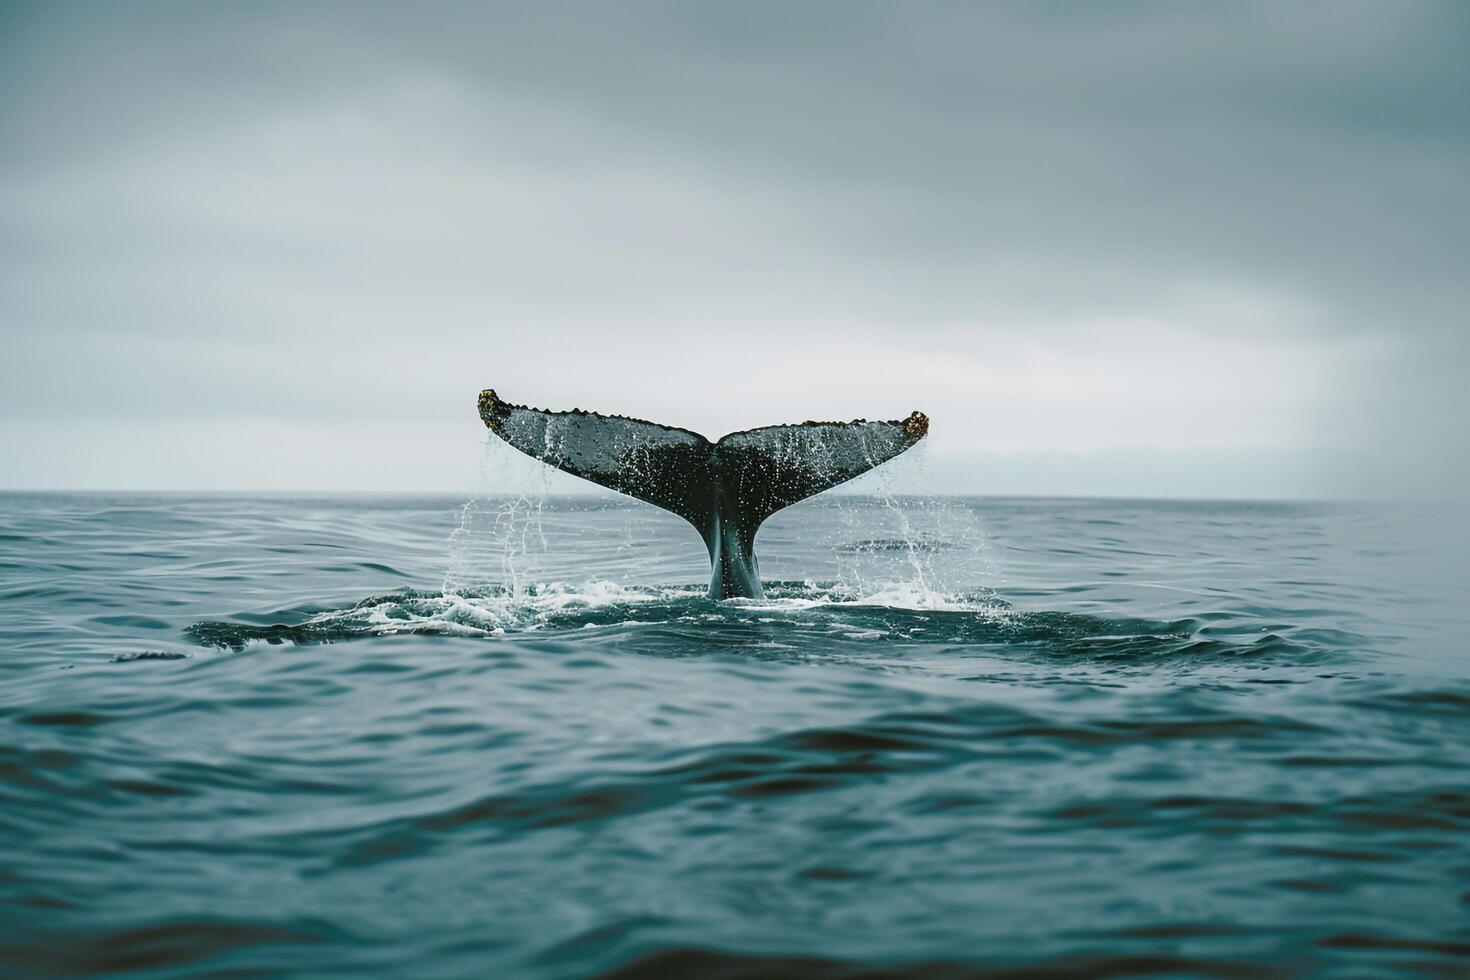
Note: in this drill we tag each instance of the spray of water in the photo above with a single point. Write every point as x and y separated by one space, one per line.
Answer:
910 550
496 529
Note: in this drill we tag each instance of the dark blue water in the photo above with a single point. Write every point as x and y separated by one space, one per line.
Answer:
320 737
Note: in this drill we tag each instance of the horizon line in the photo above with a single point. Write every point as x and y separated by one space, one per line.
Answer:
610 495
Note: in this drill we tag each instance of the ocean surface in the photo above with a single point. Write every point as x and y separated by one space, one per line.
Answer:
511 737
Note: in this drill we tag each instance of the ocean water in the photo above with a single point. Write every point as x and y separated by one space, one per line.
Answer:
511 737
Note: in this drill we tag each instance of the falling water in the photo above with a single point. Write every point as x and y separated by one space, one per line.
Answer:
498 530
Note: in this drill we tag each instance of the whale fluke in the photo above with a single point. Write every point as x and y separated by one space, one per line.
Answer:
725 489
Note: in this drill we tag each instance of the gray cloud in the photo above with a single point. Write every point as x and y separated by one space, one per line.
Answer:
349 213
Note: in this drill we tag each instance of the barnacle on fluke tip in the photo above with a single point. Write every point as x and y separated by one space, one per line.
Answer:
724 488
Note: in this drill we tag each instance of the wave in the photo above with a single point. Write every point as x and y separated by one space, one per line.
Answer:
702 962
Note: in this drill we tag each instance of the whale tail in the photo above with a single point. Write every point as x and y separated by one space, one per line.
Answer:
725 489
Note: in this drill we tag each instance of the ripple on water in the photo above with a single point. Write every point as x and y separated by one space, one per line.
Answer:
1174 738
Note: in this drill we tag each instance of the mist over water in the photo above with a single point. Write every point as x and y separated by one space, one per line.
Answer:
512 736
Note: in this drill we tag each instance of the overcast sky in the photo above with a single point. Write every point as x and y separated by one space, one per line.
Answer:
1208 249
